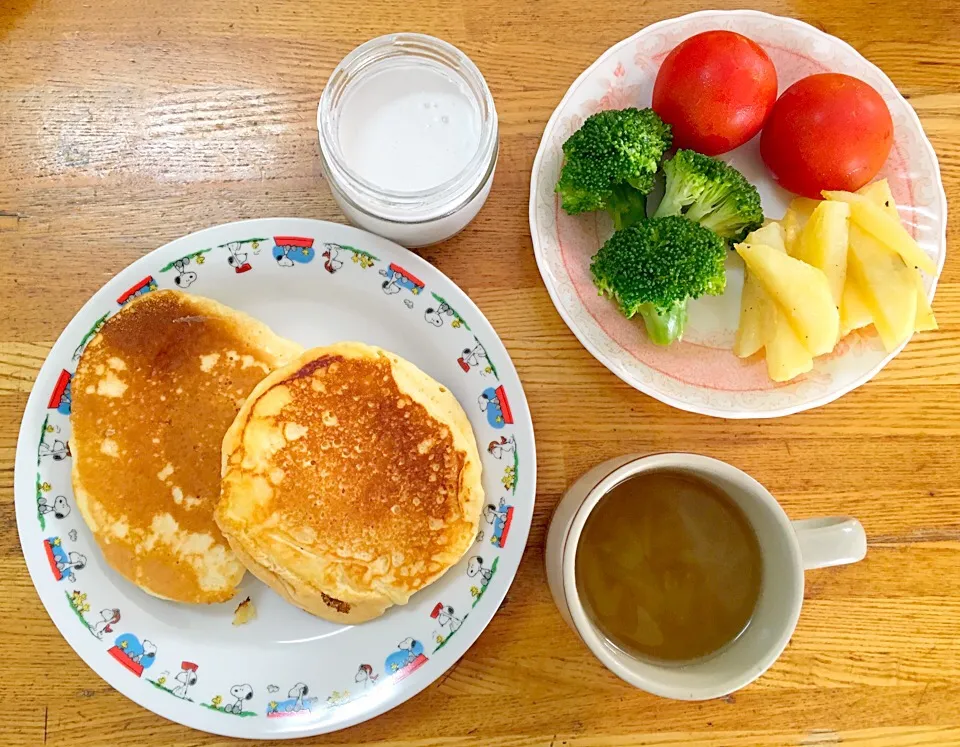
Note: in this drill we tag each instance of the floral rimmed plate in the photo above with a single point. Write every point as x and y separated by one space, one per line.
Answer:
285 673
701 374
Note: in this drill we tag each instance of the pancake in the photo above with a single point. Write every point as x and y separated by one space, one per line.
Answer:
153 394
351 480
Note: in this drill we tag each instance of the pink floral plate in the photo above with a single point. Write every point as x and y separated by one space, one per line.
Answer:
701 373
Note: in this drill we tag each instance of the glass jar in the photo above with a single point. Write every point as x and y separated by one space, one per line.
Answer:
408 138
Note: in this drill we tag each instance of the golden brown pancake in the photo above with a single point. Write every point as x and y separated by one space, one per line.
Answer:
154 392
351 480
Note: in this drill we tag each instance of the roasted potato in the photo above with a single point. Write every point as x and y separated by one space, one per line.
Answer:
800 291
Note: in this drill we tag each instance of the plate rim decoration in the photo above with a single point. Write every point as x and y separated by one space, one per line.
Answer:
458 337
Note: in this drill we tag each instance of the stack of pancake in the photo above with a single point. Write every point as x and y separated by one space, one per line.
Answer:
205 445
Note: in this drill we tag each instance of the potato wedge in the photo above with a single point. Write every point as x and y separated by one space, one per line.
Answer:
823 243
772 235
854 313
791 231
757 312
754 309
879 193
886 285
875 221
800 290
926 321
787 357
804 207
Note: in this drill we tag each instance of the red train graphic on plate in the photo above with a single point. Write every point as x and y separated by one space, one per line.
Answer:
133 655
63 563
293 250
500 517
397 278
493 401
144 286
60 398
296 703
406 660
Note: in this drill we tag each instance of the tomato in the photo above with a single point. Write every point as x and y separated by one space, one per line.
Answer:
715 89
828 131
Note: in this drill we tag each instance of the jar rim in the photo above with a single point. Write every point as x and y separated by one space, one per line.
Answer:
399 205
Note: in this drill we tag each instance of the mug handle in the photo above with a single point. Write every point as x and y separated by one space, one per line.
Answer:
832 540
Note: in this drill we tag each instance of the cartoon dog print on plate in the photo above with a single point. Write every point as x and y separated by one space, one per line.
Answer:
291 250
63 563
397 278
80 606
55 448
240 695
108 618
476 357
493 401
187 678
237 258
184 277
446 617
507 447
500 517
434 315
365 676
502 447
334 256
331 257
60 398
134 655
482 575
296 703
59 507
406 660
97 325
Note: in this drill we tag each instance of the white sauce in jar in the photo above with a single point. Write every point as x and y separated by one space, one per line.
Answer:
408 127
408 138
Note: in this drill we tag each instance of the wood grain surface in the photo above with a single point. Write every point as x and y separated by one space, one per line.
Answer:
127 123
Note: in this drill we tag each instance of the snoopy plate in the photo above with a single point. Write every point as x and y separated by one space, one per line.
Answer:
284 673
701 373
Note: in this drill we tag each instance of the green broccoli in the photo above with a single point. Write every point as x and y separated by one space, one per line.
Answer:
610 163
712 193
653 267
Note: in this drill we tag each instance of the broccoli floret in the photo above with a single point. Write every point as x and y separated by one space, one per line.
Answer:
610 163
712 193
655 266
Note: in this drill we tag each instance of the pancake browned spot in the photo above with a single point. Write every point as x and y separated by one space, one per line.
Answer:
153 394
351 481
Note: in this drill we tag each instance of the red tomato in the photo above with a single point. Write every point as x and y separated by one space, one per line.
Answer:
715 89
828 131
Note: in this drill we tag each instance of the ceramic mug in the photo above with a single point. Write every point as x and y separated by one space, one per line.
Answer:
788 548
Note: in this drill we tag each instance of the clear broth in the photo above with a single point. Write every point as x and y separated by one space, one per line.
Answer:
668 567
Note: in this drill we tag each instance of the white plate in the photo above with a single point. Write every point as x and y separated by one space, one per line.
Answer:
701 373
370 290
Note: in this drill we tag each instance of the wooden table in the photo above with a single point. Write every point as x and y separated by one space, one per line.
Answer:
127 123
